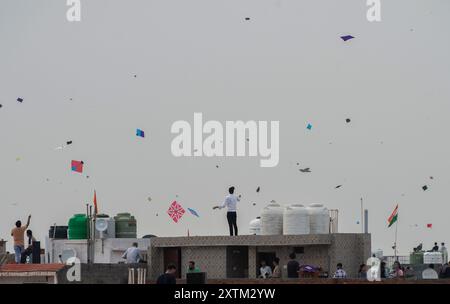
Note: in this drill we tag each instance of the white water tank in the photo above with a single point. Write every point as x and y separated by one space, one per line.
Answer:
272 219
432 257
296 220
255 226
319 219
378 253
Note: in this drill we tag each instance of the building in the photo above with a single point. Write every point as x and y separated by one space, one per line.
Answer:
239 256
106 251
30 273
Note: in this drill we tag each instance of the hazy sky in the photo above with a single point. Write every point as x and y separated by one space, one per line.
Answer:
287 63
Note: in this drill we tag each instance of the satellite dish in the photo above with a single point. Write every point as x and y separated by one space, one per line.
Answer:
68 255
101 225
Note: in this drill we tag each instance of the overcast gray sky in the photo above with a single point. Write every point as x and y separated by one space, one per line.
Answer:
286 63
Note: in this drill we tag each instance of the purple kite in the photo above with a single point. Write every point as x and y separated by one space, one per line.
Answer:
348 37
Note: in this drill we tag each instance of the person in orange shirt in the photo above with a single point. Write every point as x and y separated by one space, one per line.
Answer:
19 239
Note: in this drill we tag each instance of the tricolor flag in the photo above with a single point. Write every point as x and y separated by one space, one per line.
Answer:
393 218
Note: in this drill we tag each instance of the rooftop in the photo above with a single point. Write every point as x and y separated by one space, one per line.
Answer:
241 240
31 268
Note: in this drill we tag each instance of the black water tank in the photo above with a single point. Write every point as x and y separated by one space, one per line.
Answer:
60 233
196 278
36 253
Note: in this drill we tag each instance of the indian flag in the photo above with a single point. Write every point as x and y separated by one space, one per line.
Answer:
393 218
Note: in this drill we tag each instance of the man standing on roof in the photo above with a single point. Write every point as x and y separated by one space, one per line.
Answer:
19 239
231 202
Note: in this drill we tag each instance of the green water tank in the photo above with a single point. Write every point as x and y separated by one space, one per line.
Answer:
78 227
125 226
416 258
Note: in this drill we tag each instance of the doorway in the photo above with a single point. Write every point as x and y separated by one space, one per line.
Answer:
264 256
237 262
172 255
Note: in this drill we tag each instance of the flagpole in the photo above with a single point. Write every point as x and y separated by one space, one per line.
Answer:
362 220
395 242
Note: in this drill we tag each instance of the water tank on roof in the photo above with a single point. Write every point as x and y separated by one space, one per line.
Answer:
296 220
78 227
272 219
255 226
319 219
432 257
125 226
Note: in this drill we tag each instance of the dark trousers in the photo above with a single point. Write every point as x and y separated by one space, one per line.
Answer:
232 217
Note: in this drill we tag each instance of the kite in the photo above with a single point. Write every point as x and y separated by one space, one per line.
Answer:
140 133
69 142
247 18
347 120
347 37
77 166
425 188
149 199
309 126
431 177
257 190
306 170
175 211
1 105
429 225
338 186
193 212
254 204
20 99
217 166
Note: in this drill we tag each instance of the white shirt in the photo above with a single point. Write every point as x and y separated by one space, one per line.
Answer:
266 271
133 255
230 202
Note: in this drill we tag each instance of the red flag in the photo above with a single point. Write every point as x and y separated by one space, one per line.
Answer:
95 203
429 225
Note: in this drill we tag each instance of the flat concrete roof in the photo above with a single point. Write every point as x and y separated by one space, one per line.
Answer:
242 240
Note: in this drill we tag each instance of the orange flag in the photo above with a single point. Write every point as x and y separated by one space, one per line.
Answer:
95 203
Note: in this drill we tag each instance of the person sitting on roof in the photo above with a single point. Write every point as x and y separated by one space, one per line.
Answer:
192 268
340 272
265 270
28 252
132 254
397 271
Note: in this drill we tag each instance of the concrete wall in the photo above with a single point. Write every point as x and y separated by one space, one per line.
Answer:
209 259
27 280
319 250
111 253
351 250
98 274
